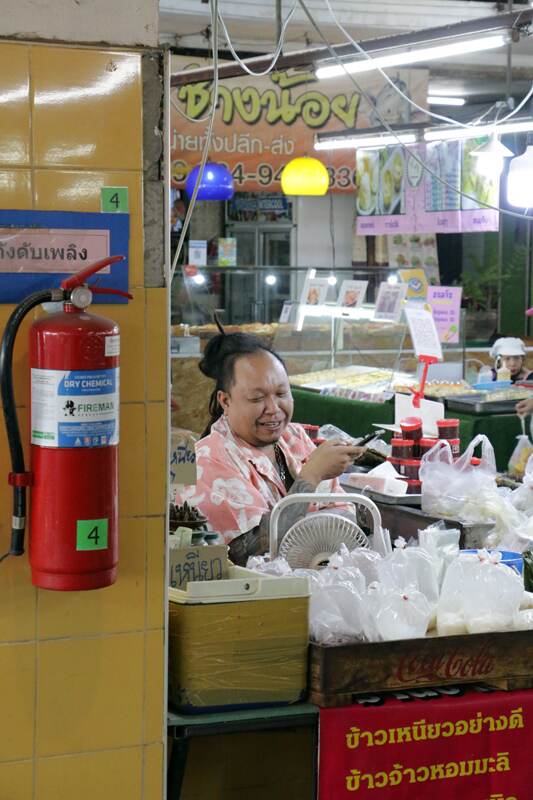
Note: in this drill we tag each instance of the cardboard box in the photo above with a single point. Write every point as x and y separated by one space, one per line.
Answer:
182 457
197 563
229 646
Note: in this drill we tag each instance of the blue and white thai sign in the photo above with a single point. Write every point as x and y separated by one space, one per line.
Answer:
38 249
74 409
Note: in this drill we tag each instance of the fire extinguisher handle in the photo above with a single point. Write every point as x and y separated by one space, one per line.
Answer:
79 278
103 290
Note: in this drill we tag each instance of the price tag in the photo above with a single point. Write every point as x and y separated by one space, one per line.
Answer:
91 534
424 334
114 199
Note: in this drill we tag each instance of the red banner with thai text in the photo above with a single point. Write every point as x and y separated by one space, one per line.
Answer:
471 747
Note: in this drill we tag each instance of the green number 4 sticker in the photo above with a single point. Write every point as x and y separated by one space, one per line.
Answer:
114 199
91 534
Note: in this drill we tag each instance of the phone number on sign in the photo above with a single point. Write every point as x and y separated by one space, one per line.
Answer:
266 175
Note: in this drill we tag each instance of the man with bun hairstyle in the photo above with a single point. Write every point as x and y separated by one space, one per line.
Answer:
251 454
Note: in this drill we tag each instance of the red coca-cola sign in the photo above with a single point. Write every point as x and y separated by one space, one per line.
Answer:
450 665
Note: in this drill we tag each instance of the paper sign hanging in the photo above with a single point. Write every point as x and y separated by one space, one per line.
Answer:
423 331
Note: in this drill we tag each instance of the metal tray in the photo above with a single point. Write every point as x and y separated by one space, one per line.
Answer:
480 405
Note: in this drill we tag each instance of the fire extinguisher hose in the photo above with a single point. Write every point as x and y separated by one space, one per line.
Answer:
10 414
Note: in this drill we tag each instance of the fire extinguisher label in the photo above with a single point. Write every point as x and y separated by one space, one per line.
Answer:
74 409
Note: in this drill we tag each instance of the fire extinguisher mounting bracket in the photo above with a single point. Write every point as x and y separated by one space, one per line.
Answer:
20 479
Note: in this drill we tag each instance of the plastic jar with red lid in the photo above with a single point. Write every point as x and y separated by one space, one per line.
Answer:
402 448
455 444
411 468
448 428
411 428
414 487
426 445
397 463
475 461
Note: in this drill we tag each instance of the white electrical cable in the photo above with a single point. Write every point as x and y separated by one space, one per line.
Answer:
208 134
397 89
388 128
275 55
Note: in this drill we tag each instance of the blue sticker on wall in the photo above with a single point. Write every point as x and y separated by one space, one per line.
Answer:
38 249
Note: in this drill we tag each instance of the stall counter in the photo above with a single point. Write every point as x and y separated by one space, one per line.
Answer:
356 418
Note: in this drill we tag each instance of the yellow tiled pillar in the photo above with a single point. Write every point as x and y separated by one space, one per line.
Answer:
82 673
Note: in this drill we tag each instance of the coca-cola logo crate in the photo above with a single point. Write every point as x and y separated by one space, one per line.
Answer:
337 674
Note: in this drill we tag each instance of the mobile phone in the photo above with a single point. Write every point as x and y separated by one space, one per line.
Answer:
370 437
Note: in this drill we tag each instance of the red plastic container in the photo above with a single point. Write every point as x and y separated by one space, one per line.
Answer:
448 428
426 445
412 428
455 444
414 487
475 461
402 448
397 463
411 468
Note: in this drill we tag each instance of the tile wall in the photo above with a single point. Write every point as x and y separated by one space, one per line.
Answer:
82 673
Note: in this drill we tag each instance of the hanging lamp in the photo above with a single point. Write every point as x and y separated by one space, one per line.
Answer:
490 155
305 176
216 183
520 180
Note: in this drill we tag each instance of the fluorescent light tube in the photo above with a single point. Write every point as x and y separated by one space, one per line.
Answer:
364 141
441 100
441 134
415 56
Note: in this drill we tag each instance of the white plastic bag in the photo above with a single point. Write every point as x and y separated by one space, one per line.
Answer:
442 545
479 595
458 489
522 498
409 567
365 560
278 566
402 614
337 614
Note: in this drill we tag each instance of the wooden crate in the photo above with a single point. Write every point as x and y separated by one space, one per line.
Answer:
339 674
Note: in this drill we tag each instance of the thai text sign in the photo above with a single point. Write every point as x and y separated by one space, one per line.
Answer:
468 746
41 250
262 123
445 302
397 195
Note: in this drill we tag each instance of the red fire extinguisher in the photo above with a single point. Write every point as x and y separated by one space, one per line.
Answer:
74 358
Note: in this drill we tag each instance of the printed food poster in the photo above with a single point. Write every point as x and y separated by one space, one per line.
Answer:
415 251
315 291
416 189
352 293
445 303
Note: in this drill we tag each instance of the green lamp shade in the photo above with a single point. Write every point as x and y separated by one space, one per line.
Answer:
305 176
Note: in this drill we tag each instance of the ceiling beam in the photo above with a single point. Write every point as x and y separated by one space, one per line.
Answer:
306 58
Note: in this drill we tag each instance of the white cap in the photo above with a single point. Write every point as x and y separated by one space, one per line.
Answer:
507 346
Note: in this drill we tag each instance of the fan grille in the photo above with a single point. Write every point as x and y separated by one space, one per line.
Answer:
311 541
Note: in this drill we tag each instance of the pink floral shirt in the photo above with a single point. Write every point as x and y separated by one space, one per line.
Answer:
237 483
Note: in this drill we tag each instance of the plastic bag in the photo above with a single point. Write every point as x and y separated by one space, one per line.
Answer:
479 595
278 566
520 456
402 614
409 567
337 614
365 560
442 545
458 489
522 498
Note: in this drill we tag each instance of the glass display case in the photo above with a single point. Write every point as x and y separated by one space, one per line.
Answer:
327 348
